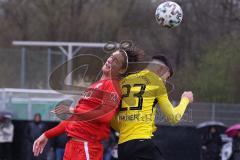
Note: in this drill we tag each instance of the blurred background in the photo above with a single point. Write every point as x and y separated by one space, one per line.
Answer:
204 50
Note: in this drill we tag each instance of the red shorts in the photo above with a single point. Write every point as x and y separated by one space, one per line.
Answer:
76 150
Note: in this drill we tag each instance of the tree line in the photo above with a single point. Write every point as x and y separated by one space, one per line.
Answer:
204 48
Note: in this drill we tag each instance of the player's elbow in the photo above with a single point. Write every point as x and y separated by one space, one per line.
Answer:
173 122
174 118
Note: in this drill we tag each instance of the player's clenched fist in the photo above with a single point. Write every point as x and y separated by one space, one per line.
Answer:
189 95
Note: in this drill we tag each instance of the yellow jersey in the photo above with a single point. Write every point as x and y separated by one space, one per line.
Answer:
140 93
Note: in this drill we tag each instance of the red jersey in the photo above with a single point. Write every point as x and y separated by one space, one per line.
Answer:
93 112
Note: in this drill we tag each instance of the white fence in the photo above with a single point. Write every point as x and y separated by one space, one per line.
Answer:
24 103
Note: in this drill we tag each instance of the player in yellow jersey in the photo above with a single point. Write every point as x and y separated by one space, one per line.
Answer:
135 120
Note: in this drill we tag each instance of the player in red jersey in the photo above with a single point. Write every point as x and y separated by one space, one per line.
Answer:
93 113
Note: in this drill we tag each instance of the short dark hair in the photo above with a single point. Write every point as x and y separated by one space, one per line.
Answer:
164 60
135 54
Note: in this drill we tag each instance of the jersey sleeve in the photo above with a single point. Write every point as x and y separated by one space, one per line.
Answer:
173 114
56 131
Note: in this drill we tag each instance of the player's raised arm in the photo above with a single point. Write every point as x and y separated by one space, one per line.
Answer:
163 71
174 114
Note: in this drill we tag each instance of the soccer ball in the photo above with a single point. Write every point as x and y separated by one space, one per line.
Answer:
169 14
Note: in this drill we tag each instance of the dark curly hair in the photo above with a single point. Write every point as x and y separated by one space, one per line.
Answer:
134 54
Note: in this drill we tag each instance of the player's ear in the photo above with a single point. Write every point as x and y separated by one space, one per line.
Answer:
159 72
162 70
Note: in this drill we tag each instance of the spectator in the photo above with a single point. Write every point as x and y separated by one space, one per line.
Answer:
212 144
32 132
59 145
51 155
236 147
110 147
6 137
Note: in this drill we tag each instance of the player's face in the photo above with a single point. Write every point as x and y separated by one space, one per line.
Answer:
114 64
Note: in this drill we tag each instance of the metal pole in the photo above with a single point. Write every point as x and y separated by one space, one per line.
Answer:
213 112
69 66
3 99
29 109
23 67
49 65
63 61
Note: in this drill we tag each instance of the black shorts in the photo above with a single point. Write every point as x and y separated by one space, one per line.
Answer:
139 149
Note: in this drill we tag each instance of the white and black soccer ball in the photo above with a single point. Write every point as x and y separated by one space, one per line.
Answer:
169 14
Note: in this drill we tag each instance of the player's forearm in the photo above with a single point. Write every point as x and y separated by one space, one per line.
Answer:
180 109
102 114
56 131
173 114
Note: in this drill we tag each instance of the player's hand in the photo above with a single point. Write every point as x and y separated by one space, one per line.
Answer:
39 145
189 95
62 109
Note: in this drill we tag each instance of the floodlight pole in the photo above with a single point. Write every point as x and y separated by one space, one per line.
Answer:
70 52
49 59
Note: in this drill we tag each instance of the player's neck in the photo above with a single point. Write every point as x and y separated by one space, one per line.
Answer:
109 76
152 69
